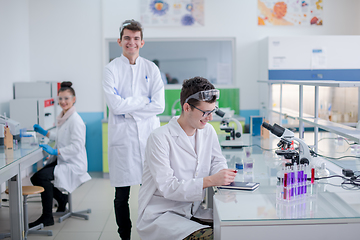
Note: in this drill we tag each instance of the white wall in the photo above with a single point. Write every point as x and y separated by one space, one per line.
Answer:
66 40
237 18
65 45
14 48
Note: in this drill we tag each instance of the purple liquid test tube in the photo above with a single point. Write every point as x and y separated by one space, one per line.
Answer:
299 183
292 183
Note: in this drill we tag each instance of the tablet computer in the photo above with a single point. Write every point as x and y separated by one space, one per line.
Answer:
241 186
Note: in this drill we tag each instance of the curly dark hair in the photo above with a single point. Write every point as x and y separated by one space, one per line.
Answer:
131 25
194 85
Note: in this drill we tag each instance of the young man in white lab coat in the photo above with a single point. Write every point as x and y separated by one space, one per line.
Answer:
182 158
134 93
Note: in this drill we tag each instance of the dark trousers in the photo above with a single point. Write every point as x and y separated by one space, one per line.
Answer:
43 179
122 211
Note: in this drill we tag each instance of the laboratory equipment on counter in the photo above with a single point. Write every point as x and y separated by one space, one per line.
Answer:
30 111
39 89
286 137
300 159
28 139
233 139
2 126
248 162
36 89
8 138
173 110
13 125
255 125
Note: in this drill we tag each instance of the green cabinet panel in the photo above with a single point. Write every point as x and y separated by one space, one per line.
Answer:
229 98
105 163
105 128
105 137
105 147
171 95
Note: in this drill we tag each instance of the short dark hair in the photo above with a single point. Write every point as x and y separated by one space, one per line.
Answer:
64 86
194 85
131 25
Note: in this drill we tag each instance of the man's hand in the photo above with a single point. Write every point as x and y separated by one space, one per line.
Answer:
223 177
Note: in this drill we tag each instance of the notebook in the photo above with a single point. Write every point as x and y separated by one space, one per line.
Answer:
241 186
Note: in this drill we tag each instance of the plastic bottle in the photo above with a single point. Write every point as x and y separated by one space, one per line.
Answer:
248 163
357 153
353 149
323 172
239 168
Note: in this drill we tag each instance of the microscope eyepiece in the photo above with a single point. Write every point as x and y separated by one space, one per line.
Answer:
267 126
276 129
220 113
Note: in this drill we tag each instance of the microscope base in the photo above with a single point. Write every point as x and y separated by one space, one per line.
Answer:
233 144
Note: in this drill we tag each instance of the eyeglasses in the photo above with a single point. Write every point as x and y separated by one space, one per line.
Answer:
67 98
205 113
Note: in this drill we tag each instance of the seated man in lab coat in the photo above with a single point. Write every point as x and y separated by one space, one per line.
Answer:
182 158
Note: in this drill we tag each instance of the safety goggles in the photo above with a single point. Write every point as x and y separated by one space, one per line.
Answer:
205 113
129 23
66 98
207 95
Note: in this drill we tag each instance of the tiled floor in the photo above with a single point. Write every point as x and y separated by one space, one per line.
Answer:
96 194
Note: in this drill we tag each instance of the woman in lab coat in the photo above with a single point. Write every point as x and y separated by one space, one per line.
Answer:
182 158
69 170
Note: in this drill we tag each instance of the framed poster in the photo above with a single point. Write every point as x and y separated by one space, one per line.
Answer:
172 12
290 12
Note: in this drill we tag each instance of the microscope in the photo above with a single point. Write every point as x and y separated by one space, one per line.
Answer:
286 137
233 139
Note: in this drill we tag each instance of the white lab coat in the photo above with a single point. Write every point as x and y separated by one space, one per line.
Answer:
127 91
71 169
172 188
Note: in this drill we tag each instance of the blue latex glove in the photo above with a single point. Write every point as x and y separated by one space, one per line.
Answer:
149 100
49 149
40 130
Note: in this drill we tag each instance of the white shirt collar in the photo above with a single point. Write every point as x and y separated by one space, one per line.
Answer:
126 60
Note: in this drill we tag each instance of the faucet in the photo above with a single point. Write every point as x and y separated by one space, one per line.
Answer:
173 110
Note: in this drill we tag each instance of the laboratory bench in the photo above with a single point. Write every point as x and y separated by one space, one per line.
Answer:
327 211
13 162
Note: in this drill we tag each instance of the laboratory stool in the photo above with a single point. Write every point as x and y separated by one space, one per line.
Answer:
70 212
30 190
